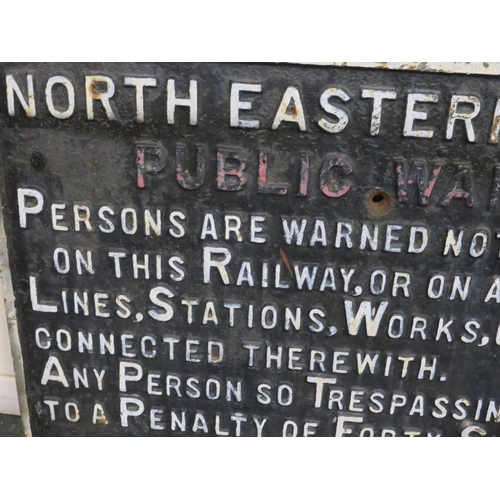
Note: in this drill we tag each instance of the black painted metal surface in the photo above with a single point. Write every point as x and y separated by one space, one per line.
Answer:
378 316
10 426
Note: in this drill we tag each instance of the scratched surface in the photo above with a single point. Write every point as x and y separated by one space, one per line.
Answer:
347 179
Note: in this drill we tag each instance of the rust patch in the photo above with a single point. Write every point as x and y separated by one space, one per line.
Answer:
284 258
102 420
96 86
495 127
92 85
379 203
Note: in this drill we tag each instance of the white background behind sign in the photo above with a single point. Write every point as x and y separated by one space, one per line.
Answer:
8 393
278 456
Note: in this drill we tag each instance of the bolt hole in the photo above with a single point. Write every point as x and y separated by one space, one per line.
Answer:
379 203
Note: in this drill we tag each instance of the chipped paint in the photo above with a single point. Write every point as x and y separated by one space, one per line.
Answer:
330 185
304 175
262 186
224 171
148 167
418 172
182 174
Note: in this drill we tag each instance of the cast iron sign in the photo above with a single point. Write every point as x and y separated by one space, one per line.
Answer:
252 250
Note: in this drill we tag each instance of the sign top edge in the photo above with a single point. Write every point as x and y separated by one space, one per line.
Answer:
466 68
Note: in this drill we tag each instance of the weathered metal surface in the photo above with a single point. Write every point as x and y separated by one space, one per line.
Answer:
235 249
